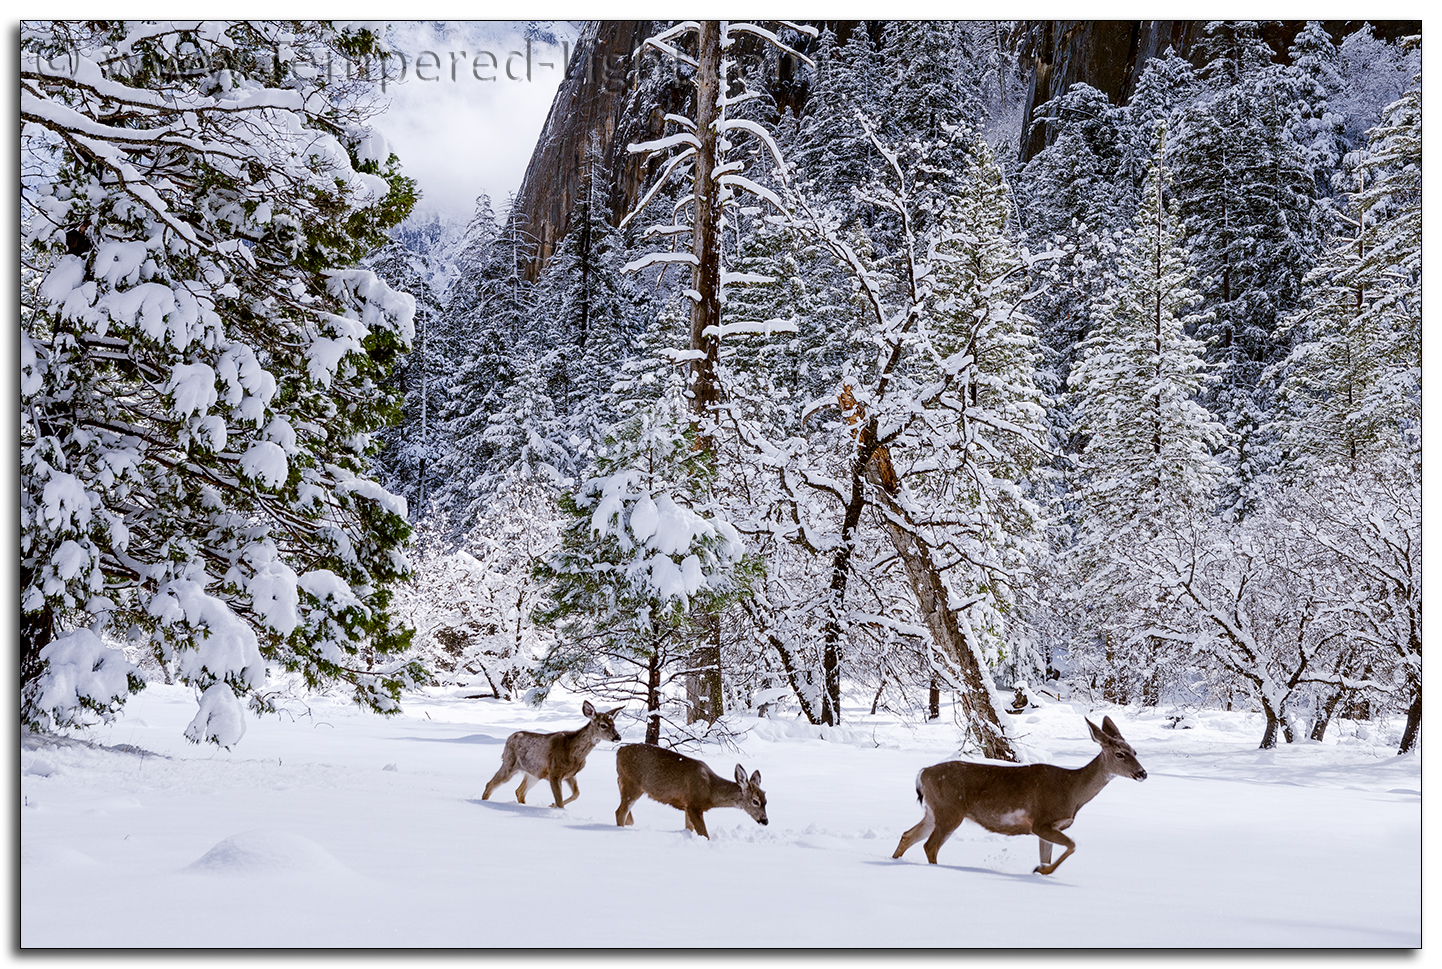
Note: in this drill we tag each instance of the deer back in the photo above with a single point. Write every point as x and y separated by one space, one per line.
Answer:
687 783
673 778
563 754
1010 799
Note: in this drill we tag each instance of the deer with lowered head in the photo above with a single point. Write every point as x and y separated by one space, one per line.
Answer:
683 782
1039 799
553 757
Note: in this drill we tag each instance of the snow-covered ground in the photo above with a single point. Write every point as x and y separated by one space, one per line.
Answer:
328 826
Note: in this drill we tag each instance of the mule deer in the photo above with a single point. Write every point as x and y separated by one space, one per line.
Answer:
683 782
1038 799
553 757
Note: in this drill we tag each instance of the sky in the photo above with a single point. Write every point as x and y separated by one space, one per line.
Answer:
462 113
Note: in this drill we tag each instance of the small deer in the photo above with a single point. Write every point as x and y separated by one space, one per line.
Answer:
1039 799
683 782
553 757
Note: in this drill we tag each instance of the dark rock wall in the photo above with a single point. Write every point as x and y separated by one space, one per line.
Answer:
580 133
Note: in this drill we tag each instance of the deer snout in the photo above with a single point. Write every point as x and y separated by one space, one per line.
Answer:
1140 775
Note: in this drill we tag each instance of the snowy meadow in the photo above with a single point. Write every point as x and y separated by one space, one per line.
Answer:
813 368
331 827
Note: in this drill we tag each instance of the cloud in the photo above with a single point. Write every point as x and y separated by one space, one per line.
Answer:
456 134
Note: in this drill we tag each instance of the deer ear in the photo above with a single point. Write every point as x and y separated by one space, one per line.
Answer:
587 709
616 711
1110 728
1097 735
756 779
740 775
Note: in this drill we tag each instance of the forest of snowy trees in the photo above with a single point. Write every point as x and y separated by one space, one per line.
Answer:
855 407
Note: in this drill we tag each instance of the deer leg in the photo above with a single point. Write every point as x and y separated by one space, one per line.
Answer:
915 834
623 813
508 768
1045 846
939 833
1048 833
696 823
556 790
575 791
526 781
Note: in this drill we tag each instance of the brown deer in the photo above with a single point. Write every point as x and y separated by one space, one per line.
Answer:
1039 799
553 757
683 782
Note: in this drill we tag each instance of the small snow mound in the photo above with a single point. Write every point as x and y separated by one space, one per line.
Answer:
390 767
40 767
262 852
54 856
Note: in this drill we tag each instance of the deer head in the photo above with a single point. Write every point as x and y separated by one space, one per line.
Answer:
1118 757
753 799
604 724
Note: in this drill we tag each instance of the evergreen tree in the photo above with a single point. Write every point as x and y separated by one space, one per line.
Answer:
412 448
1353 384
491 312
1147 462
638 564
1318 128
592 313
201 369
1246 201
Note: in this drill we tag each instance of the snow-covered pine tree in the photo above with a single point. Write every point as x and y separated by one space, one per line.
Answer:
1318 128
1353 383
201 368
411 449
1247 203
490 311
639 564
593 313
982 517
703 153
1147 463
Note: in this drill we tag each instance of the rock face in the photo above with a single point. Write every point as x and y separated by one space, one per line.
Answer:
580 135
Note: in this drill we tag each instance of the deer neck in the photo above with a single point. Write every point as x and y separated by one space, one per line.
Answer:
1091 779
582 741
725 793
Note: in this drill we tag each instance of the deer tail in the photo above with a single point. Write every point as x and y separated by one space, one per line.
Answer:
919 798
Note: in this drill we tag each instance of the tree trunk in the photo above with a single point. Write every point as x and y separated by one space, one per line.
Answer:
933 700
653 699
792 678
703 688
840 574
948 631
1269 736
36 630
876 700
1275 718
1324 716
703 684
1414 725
